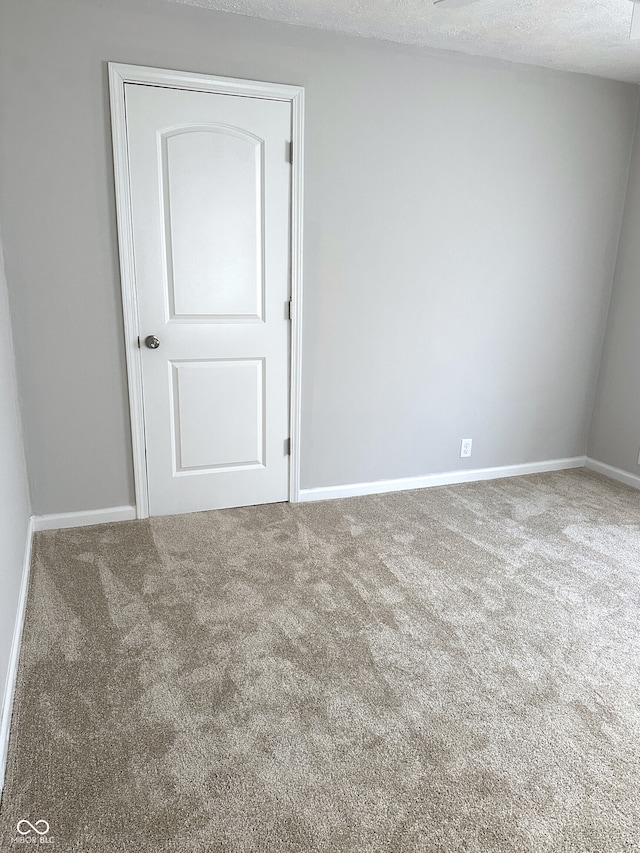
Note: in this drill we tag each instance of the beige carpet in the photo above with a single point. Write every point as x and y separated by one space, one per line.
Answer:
455 669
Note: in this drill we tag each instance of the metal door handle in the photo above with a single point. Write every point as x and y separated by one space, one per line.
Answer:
152 342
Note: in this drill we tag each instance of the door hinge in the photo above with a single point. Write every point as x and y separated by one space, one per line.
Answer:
290 309
287 447
289 152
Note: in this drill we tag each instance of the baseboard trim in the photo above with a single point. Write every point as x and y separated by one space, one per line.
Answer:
60 520
324 493
12 673
613 473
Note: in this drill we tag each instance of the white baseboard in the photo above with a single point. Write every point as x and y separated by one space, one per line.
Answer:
14 657
82 519
614 473
324 493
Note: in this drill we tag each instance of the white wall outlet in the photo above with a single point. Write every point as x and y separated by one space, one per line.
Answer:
465 447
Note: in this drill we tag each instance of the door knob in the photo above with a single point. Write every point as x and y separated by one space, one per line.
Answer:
152 342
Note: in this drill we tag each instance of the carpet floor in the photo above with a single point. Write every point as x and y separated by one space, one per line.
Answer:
451 669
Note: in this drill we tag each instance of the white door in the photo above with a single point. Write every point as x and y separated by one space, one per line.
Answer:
210 202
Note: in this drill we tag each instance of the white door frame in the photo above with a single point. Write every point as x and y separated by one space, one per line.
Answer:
119 75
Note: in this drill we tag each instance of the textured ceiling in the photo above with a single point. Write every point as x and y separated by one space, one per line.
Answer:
591 36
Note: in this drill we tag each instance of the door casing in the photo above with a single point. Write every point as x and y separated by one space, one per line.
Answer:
120 74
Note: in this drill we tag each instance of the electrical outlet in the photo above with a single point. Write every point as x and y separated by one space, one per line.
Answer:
465 447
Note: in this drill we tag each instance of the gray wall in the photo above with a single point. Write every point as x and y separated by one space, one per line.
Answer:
615 431
14 498
462 219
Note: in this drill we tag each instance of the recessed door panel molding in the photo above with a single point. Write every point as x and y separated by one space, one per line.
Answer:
227 397
209 204
213 192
